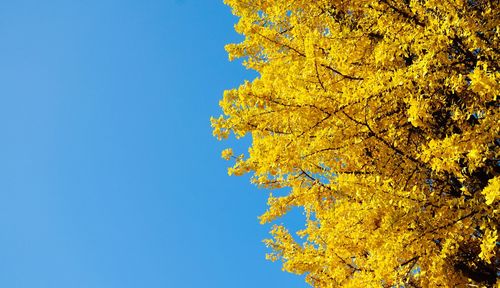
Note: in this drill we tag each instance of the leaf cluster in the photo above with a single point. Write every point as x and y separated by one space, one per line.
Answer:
381 119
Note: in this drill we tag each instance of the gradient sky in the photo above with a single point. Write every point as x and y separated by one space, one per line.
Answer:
109 174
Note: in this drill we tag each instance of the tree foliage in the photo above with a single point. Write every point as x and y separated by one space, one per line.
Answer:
381 119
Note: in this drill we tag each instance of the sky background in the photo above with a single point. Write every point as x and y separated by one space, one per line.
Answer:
109 174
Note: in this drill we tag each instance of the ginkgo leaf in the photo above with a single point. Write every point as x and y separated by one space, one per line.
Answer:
380 120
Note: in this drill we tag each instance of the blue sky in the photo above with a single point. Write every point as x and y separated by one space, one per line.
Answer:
109 174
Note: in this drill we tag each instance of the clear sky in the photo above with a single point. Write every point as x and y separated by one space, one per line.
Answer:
109 174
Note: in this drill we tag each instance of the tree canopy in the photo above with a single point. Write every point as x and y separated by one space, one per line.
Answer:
381 120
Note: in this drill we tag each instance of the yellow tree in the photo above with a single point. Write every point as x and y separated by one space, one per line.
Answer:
381 119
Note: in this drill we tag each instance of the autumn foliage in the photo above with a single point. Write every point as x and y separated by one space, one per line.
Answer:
381 120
